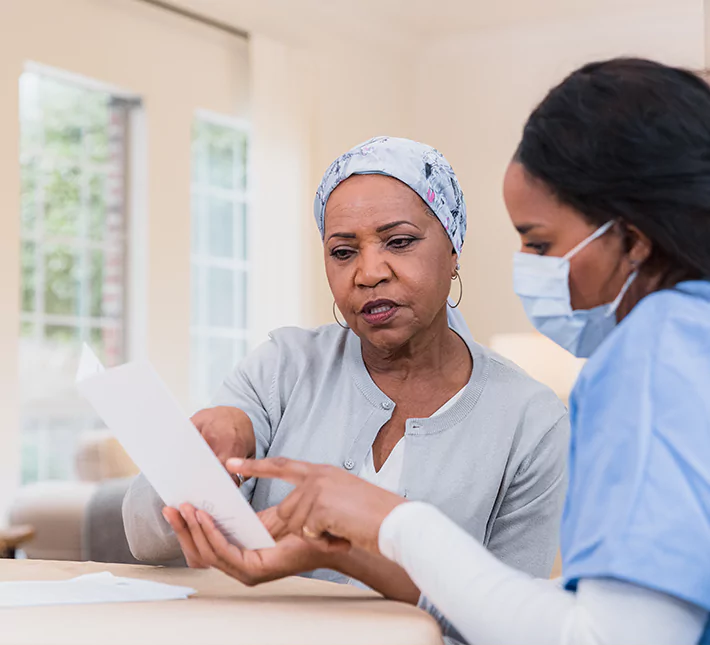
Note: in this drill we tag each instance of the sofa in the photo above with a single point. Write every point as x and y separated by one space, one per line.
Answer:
80 520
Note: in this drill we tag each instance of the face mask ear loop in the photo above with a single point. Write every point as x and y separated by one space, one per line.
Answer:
617 301
597 234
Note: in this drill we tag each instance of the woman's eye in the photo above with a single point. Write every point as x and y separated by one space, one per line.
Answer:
401 242
539 247
341 254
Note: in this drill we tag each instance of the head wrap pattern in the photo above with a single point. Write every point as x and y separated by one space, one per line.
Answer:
421 167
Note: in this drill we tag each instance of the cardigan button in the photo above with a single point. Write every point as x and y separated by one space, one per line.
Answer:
349 464
387 405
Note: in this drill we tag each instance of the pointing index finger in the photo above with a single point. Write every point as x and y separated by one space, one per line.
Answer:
290 470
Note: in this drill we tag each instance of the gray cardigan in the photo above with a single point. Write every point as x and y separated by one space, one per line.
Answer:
495 462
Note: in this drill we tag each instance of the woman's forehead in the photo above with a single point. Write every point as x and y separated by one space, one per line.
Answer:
368 200
371 187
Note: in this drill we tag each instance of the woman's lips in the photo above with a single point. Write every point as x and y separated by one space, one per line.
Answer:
379 312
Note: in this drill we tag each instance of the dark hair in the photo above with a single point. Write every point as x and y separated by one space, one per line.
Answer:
629 139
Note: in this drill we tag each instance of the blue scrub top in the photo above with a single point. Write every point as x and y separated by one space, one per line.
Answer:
638 503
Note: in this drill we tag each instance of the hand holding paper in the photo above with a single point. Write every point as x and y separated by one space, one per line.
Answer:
136 405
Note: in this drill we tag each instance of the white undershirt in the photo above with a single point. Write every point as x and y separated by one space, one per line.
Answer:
491 603
390 474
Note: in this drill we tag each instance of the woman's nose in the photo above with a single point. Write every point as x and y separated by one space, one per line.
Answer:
372 269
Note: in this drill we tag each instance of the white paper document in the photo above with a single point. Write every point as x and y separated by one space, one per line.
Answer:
138 408
92 588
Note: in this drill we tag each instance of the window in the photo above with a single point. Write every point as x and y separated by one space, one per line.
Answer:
220 269
73 256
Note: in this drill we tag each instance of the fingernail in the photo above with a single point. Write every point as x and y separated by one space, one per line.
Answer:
165 514
198 515
235 462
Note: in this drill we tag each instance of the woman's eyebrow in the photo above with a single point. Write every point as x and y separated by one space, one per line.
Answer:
523 229
391 225
380 229
347 236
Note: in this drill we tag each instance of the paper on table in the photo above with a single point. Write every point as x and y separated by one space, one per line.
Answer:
139 409
92 588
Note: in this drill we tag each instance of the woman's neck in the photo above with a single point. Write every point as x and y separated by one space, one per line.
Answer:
435 350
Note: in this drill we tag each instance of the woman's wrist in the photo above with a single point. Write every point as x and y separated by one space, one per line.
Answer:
377 573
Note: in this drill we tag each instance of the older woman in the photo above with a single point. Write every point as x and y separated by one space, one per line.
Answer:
398 392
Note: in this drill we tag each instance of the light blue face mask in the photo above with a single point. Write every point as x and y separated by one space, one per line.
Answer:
542 284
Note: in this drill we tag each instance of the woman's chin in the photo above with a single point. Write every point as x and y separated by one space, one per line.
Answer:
384 338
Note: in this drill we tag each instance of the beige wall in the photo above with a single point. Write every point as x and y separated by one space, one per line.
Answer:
176 67
472 97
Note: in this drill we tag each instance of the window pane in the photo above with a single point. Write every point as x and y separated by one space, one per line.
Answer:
198 396
61 445
27 329
62 201
197 217
62 139
221 228
61 334
199 155
96 136
29 201
241 223
96 340
226 298
219 248
30 448
220 158
61 294
220 299
221 362
72 117
240 351
241 160
195 307
29 275
240 299
97 208
107 343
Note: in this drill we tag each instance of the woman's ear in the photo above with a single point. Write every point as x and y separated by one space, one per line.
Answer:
638 245
454 261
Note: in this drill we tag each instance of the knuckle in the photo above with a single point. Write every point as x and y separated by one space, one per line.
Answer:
326 472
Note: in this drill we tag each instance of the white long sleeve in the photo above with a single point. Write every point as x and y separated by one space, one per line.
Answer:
490 603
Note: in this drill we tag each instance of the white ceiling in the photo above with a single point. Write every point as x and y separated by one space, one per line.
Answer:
401 21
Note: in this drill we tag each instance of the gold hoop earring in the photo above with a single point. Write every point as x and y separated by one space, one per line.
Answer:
335 315
457 276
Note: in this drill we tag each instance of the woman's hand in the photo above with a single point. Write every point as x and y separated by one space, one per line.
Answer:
327 502
204 546
228 431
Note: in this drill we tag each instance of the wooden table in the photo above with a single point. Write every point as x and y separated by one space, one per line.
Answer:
294 611
13 538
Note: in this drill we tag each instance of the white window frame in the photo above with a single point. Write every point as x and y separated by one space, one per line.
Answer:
245 266
134 234
132 241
